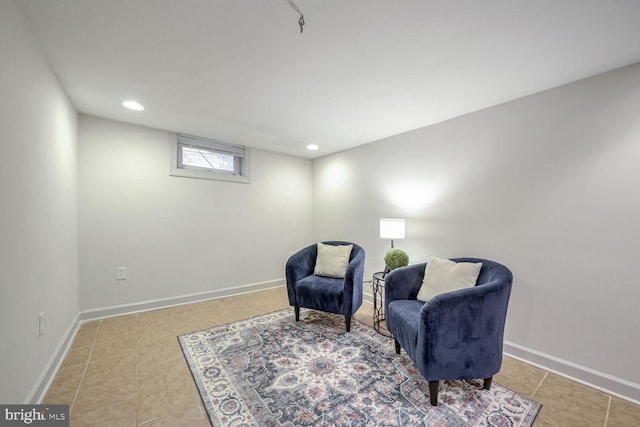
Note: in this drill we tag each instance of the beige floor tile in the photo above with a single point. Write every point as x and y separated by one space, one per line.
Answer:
105 335
119 322
205 307
149 327
159 338
191 417
86 335
568 403
519 377
123 346
364 315
201 325
170 396
539 422
67 379
76 356
623 414
102 409
110 374
63 398
184 311
116 331
155 316
162 372
187 326
214 318
88 327
166 350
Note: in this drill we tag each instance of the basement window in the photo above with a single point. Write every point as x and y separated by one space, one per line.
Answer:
197 157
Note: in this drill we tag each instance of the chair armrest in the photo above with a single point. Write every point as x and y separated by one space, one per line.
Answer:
403 283
464 328
353 280
299 265
355 268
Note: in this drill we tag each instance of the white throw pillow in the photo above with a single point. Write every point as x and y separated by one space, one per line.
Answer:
332 260
444 275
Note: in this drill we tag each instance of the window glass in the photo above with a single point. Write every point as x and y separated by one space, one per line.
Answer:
207 159
198 157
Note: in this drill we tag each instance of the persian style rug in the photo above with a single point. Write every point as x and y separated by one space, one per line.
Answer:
273 371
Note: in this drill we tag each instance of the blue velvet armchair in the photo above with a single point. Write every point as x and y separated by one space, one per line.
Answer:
454 335
340 296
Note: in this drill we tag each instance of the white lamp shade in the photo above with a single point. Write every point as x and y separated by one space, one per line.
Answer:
391 228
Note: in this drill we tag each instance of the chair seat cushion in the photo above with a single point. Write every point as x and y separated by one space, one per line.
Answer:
403 317
320 293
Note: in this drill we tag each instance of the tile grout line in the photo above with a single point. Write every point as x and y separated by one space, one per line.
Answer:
546 374
606 417
86 368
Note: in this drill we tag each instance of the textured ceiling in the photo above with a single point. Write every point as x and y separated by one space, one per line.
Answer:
240 71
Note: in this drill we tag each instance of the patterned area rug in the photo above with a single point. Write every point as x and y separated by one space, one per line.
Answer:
272 371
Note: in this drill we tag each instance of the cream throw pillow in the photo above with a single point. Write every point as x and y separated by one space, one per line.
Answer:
444 275
332 261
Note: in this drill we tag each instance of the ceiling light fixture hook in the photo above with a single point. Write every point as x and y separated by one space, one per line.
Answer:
297 9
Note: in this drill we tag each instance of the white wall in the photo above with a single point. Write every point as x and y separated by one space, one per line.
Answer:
38 212
546 184
180 236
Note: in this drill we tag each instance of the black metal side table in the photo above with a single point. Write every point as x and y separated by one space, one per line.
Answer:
377 285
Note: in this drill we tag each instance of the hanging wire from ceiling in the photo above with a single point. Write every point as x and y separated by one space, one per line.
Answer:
297 9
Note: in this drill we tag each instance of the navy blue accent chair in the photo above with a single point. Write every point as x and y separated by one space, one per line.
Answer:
340 296
455 335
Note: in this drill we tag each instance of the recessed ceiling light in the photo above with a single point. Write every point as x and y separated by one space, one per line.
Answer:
312 147
133 105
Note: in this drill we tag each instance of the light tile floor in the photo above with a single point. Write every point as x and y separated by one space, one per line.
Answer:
130 371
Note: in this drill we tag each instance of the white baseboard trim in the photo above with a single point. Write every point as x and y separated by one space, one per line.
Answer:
138 307
606 383
43 383
367 297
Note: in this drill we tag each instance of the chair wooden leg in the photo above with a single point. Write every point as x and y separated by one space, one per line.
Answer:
296 309
487 383
397 346
347 321
433 392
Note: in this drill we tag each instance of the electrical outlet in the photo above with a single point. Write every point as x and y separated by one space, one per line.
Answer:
41 324
121 273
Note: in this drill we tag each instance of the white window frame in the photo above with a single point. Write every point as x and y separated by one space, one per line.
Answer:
240 153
